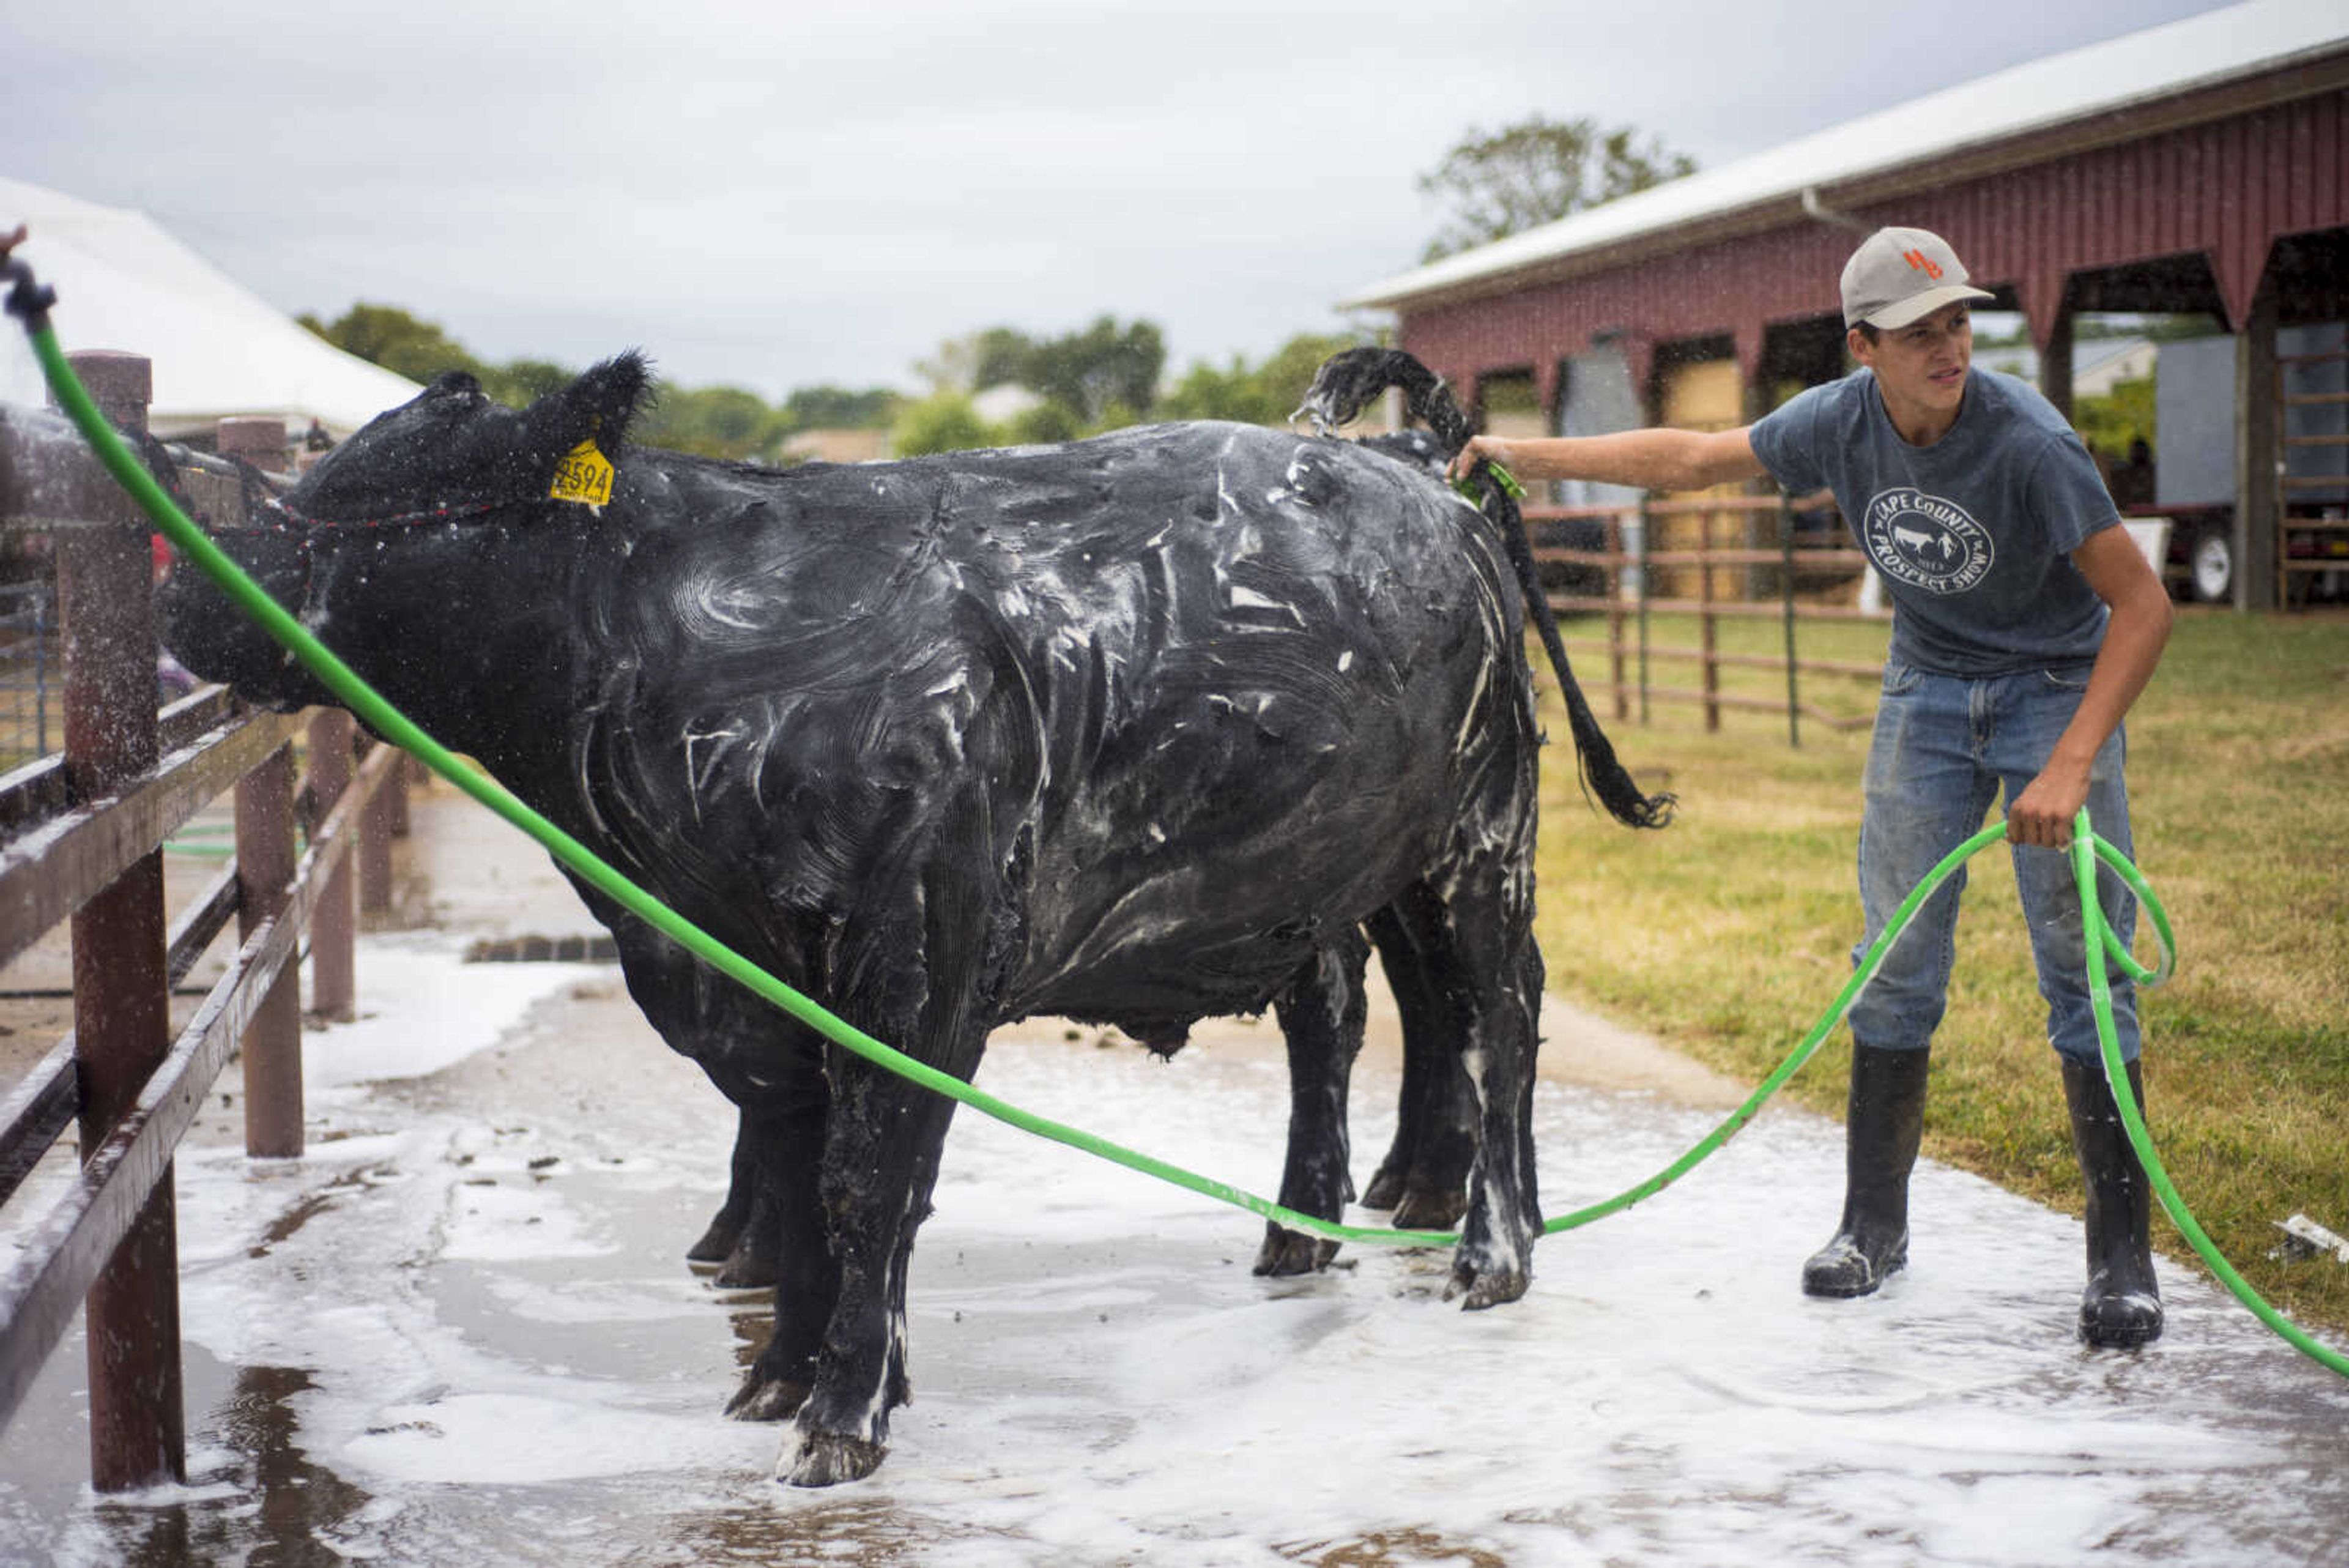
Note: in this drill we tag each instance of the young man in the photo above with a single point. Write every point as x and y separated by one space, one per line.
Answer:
2025 622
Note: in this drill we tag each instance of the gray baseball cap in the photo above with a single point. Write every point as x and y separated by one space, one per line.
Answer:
1900 275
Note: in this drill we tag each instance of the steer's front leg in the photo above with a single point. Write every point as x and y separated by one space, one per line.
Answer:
880 1161
883 1137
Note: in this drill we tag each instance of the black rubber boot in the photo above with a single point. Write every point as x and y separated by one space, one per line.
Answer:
2122 1305
1885 1123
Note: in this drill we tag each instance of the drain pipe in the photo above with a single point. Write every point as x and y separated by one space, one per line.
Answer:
1819 211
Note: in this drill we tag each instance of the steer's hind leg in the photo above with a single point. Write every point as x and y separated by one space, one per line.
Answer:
788 1150
1482 940
726 1227
1320 1013
1425 1176
712 1020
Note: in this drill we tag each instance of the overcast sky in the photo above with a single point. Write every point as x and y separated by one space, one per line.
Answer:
781 195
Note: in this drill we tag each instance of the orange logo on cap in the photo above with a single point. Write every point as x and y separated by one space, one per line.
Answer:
1922 263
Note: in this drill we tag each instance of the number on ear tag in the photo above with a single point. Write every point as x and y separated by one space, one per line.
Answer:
585 475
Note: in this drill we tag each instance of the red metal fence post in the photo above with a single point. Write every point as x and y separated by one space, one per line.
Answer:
333 990
122 991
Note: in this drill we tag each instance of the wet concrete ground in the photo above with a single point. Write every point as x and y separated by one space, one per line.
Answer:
461 1330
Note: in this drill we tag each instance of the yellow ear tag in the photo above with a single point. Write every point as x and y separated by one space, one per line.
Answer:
585 475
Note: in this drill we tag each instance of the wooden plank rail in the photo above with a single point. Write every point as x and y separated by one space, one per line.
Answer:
50 871
37 1109
81 841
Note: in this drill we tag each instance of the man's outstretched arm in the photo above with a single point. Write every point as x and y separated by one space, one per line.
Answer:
1647 459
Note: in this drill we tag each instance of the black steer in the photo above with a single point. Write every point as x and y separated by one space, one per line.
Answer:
1138 730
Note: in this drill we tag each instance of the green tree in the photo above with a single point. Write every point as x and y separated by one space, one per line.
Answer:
1100 368
993 357
1001 356
1263 394
839 408
943 421
1095 371
1537 171
2109 423
1047 421
711 421
388 335
518 384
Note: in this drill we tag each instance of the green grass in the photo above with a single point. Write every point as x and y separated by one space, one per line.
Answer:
1726 935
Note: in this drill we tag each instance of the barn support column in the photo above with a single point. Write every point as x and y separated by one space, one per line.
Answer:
2257 493
2055 364
122 1026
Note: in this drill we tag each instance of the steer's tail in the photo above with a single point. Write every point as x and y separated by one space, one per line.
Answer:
1341 388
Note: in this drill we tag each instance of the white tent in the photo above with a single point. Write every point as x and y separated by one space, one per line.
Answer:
218 347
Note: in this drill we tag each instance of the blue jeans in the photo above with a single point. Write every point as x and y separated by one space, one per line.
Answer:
1944 747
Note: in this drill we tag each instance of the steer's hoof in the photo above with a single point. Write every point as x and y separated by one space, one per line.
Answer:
2119 1320
763 1398
1430 1208
747 1269
1475 1289
826 1459
716 1243
1854 1265
1292 1253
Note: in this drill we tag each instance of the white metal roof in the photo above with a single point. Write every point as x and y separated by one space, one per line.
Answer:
218 348
2199 52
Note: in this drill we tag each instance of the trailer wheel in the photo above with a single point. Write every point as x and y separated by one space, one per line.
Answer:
2211 565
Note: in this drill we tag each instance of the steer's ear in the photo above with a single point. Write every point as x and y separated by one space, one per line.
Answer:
597 406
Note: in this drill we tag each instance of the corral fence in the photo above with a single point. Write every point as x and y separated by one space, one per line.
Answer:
29 651
82 832
1716 559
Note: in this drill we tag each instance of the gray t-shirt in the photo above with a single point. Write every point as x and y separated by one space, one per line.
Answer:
1971 535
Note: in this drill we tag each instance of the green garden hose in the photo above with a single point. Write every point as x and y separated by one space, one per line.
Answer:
2084 874
388 721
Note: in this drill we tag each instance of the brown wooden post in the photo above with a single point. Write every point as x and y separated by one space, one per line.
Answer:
1646 519
395 789
271 1047
2055 364
1708 636
262 442
375 845
333 991
256 439
1616 574
122 991
1787 614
